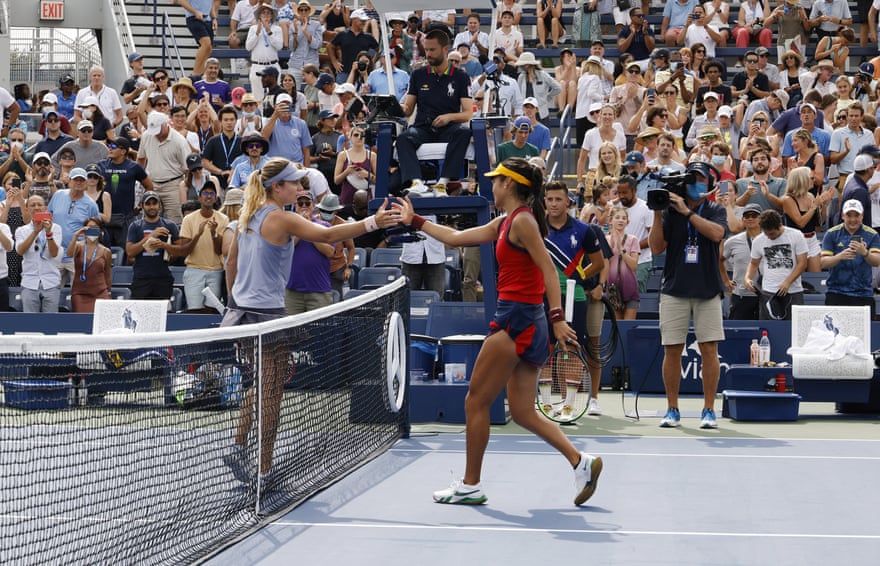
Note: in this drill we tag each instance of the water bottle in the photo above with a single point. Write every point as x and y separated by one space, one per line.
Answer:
71 392
754 353
765 349
83 392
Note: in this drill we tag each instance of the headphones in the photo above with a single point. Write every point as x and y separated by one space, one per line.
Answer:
706 170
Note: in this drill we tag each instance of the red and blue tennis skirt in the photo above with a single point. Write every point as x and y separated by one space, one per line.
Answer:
527 326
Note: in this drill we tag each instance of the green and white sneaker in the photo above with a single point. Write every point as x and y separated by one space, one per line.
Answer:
586 476
459 493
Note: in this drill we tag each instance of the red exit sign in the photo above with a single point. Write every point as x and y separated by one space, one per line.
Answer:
51 9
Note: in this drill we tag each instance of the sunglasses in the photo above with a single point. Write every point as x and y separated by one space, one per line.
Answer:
751 60
112 146
699 50
634 71
86 130
18 141
66 157
161 105
751 215
254 145
162 78
841 116
52 120
208 194
94 176
303 10
303 202
42 163
357 135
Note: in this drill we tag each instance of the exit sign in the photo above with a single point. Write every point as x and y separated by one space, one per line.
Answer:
51 9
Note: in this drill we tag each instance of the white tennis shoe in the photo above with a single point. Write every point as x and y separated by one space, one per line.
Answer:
459 493
586 476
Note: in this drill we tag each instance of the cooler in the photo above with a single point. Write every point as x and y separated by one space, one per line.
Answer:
422 355
459 355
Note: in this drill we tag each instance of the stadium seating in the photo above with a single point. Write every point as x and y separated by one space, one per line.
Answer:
385 257
375 277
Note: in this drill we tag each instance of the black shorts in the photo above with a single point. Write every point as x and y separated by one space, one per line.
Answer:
199 28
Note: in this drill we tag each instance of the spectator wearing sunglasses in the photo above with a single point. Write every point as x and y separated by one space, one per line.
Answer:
201 240
308 287
85 149
49 103
255 148
70 209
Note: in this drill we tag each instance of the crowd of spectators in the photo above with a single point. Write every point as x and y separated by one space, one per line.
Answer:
791 130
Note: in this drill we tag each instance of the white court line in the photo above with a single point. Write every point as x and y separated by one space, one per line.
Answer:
653 454
578 531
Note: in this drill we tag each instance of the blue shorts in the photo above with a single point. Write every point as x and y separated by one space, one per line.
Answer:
527 327
200 28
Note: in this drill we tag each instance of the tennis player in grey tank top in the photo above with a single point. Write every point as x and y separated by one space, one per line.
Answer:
257 270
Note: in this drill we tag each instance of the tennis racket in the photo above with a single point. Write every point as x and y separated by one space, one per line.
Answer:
564 383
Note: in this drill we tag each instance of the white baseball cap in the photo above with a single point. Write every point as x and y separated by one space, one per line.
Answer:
155 121
852 204
863 163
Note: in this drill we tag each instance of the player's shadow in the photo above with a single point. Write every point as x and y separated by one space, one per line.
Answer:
569 523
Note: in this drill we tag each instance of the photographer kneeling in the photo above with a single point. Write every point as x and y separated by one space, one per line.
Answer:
689 228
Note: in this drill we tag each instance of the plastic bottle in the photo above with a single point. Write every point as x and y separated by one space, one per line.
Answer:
754 353
71 392
83 392
765 348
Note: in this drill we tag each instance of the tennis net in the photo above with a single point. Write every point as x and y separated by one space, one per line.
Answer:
121 448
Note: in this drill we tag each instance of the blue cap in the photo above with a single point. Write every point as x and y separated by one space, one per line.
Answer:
522 124
323 114
78 173
134 57
324 79
633 158
867 68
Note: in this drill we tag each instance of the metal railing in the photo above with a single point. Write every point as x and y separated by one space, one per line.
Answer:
123 27
168 33
559 147
4 17
39 56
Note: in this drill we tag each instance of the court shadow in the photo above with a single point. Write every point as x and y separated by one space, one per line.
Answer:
569 523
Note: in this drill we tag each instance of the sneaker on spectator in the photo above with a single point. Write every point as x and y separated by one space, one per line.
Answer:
672 419
708 419
459 493
419 189
440 190
593 408
586 476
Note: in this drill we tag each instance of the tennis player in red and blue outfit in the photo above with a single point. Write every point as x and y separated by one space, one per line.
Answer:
518 343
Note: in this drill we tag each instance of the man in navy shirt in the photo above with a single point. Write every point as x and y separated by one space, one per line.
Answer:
849 252
567 240
637 38
690 232
120 177
439 94
857 186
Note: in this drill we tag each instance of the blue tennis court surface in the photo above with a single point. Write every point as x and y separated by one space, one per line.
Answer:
682 500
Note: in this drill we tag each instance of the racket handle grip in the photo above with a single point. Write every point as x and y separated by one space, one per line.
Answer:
569 300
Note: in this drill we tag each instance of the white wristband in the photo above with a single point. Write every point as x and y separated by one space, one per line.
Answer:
370 224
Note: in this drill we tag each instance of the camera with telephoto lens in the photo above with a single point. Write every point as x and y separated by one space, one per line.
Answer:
658 199
362 66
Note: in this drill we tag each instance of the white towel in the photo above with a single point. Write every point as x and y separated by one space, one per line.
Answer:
820 339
